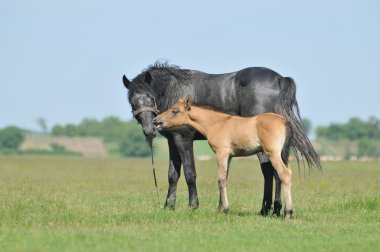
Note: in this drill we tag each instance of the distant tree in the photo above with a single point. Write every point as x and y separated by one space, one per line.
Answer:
113 128
11 137
373 128
306 123
334 131
133 143
367 148
127 136
58 130
354 129
90 127
42 124
71 130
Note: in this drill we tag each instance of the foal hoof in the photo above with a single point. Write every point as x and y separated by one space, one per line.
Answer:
288 214
223 210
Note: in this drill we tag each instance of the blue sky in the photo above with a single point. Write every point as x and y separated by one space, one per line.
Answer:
63 60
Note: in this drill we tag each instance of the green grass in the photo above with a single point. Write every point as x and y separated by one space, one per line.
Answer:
77 204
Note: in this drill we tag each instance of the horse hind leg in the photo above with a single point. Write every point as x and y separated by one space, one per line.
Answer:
277 205
267 170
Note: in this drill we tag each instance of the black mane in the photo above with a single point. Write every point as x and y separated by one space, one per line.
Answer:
160 71
166 81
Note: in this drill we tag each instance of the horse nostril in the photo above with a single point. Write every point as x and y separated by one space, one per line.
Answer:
157 122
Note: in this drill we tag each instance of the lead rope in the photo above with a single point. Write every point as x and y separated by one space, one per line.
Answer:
154 173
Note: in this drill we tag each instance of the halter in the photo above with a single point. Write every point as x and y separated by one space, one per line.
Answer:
147 109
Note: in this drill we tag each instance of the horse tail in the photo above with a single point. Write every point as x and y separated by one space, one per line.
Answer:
287 106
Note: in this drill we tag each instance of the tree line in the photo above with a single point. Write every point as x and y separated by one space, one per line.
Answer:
126 137
365 132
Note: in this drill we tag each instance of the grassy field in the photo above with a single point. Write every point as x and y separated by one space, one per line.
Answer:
77 204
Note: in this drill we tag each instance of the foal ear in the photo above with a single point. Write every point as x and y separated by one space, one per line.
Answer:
188 101
126 82
181 99
148 78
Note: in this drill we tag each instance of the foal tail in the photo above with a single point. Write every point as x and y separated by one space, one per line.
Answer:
287 106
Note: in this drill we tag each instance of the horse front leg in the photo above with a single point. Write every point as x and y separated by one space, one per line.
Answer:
228 170
174 172
185 150
268 172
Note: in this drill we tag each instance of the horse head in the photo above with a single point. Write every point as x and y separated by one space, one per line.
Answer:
143 103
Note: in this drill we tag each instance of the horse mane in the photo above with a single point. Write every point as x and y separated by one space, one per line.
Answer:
167 80
161 69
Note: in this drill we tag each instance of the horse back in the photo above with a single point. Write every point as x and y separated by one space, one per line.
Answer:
257 89
248 92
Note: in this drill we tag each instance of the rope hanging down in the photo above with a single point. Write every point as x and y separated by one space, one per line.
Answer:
154 171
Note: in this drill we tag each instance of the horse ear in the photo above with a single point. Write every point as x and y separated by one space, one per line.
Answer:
188 101
182 99
126 82
148 78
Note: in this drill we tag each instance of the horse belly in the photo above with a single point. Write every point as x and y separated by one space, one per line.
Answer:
245 148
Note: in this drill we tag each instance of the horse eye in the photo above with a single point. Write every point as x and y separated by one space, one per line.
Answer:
174 112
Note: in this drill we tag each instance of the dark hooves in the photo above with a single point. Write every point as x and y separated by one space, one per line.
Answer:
194 205
169 205
264 212
277 209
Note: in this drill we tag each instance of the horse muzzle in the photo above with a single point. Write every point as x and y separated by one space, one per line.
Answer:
158 123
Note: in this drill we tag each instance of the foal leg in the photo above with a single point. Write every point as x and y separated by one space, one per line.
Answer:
228 170
285 175
267 170
174 173
222 181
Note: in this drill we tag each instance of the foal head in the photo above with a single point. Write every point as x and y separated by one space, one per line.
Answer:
175 116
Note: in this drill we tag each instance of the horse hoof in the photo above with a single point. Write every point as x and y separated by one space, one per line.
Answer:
264 212
276 214
194 205
169 205
277 208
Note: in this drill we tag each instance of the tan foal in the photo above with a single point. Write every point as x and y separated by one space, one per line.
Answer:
234 136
